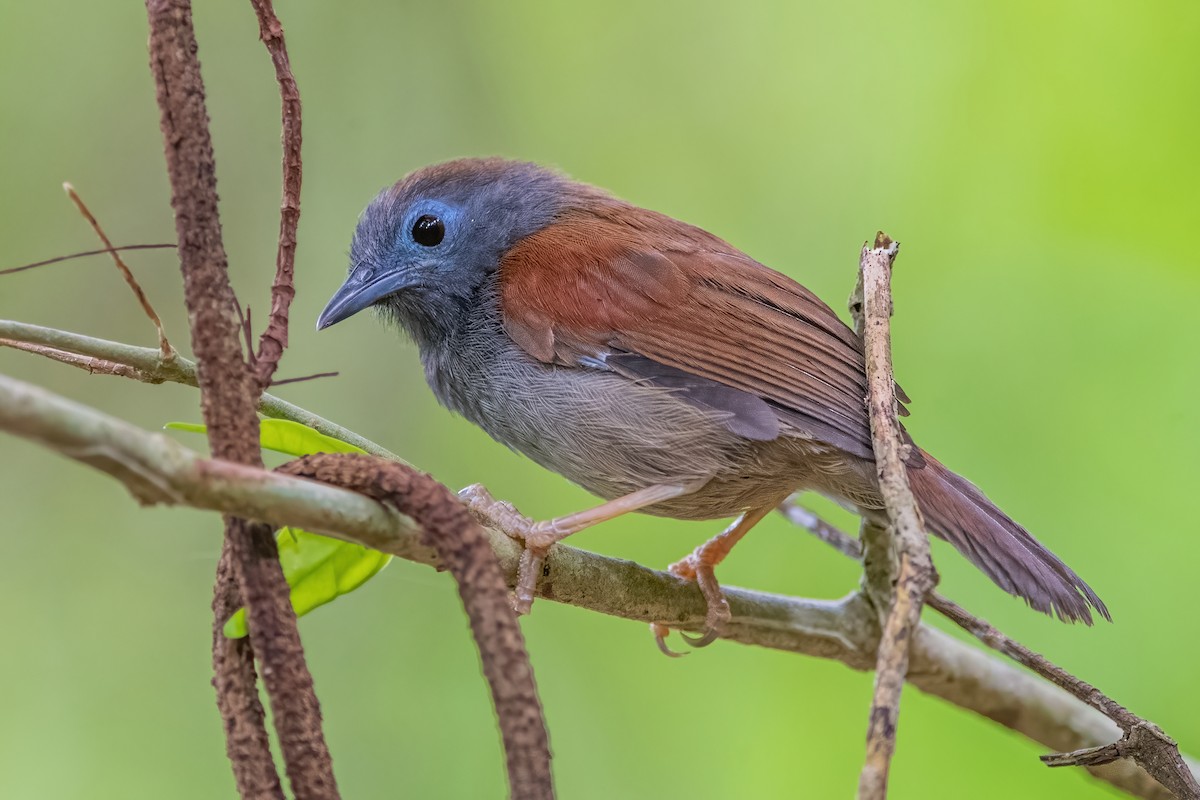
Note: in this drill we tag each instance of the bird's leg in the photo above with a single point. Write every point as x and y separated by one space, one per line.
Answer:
539 537
699 566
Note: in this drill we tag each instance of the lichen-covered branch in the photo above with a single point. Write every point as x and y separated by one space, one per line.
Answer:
159 470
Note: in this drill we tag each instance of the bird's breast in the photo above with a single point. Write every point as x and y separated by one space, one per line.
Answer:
609 434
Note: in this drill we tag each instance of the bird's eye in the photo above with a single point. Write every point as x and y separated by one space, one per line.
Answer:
428 231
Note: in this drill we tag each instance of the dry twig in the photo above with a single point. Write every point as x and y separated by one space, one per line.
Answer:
58 259
274 339
94 366
913 576
168 352
303 378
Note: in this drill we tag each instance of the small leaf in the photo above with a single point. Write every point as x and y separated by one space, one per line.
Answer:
294 439
236 628
285 436
319 570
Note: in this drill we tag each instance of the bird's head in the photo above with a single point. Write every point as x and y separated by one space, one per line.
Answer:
425 247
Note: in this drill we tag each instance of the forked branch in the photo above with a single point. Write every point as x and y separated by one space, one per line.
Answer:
249 572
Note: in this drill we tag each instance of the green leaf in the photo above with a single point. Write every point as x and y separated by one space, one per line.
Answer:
285 436
319 570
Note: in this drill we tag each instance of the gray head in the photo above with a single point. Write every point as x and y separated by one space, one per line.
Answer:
424 247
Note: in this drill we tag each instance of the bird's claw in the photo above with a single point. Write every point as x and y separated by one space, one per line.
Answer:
710 636
694 568
535 537
714 621
661 632
493 513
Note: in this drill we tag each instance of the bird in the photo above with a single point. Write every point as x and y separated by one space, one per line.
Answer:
651 363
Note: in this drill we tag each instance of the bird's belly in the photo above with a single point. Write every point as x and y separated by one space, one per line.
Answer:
613 436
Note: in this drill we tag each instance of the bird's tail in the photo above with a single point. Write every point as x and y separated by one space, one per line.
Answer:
958 512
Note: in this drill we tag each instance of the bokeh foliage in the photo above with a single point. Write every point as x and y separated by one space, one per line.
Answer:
1038 162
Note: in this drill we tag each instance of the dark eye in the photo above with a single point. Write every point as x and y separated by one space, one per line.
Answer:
428 231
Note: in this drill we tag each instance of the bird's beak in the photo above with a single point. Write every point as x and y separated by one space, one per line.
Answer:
363 288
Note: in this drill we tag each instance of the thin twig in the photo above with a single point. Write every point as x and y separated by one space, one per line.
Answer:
275 337
828 533
163 345
94 366
303 378
152 369
157 469
57 259
914 574
1143 741
246 331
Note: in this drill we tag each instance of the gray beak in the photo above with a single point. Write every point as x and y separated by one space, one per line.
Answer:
362 289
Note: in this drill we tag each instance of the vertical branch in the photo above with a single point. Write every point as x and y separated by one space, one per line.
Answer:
274 338
221 372
463 548
229 394
913 571
236 684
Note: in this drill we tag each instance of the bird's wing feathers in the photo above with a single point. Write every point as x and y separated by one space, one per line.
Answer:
639 295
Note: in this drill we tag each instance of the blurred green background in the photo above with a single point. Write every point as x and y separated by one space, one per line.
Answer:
1038 162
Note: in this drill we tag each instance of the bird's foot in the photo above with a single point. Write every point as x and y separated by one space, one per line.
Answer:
696 567
661 632
493 513
536 537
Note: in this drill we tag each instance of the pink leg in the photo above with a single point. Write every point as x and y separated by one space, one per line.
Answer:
539 537
700 565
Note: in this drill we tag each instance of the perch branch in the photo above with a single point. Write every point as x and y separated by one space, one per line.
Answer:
913 576
159 470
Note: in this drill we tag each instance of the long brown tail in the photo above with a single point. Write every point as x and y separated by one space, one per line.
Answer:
958 512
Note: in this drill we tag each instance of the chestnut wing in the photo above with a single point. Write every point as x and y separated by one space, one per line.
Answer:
648 296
